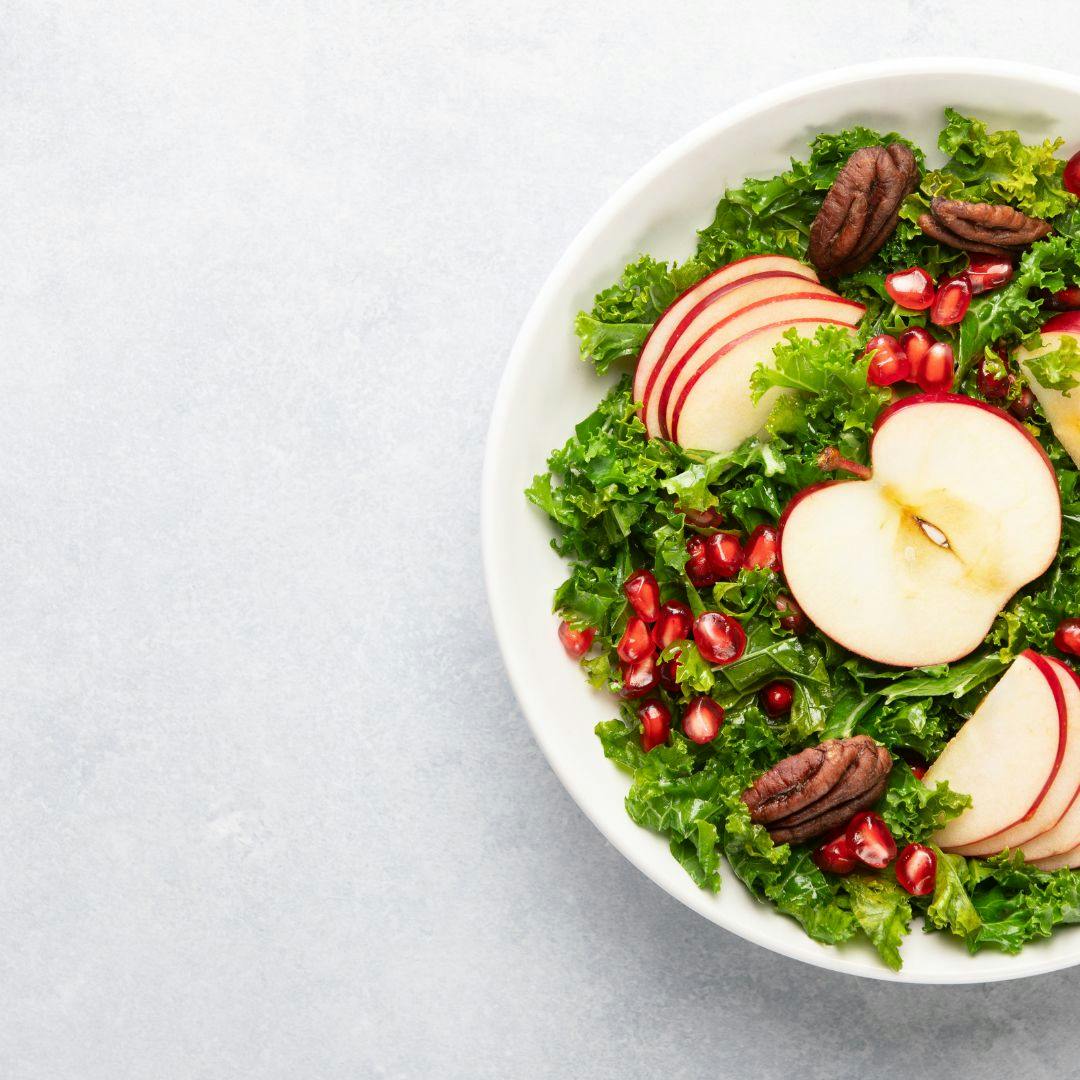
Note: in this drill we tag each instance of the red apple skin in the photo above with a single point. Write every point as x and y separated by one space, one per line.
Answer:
689 288
1068 322
697 309
673 435
673 374
1047 673
891 410
1076 679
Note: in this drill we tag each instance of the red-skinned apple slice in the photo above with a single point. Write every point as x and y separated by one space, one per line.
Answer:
1065 835
710 319
719 412
1007 756
705 353
1070 859
1061 409
911 566
1059 796
711 288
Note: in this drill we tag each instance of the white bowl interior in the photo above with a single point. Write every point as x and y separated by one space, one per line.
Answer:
546 390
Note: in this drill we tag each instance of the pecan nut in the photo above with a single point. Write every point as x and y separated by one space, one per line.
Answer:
818 789
981 227
861 208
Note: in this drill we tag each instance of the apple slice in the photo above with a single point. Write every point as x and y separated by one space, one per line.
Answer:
669 327
1065 835
1062 410
911 566
1061 793
716 412
1070 859
709 320
1007 755
708 351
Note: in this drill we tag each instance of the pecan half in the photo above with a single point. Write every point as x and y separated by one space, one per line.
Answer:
819 788
981 227
861 208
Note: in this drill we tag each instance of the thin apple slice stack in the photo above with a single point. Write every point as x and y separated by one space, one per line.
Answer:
693 373
1060 844
1061 409
1007 756
703 305
911 566
1035 832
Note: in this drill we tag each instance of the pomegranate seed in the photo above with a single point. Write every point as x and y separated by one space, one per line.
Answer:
1066 299
1024 405
871 840
912 289
674 623
836 856
952 300
644 594
575 642
888 362
702 719
792 618
1070 179
915 762
655 719
987 272
916 870
916 344
993 384
763 549
640 677
669 675
936 372
702 519
776 698
725 555
635 642
1067 636
720 640
697 566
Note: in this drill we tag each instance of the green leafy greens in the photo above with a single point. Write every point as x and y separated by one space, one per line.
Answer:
620 501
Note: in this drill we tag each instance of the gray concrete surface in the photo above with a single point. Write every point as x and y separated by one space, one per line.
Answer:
269 808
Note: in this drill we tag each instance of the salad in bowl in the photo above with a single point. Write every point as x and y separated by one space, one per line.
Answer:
823 538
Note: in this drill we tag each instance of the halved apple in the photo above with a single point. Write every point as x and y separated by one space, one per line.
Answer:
1062 791
1065 835
911 566
698 298
1007 755
1062 409
797 310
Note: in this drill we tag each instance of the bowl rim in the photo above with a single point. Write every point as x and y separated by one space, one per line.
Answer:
806 950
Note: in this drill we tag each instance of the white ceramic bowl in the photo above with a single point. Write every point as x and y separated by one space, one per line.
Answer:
546 389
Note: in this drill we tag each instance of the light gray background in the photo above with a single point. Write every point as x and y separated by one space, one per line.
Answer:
268 806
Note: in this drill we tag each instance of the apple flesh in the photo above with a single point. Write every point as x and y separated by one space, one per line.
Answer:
714 351
714 410
686 309
1061 409
1062 791
1007 756
911 566
1065 834
715 322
